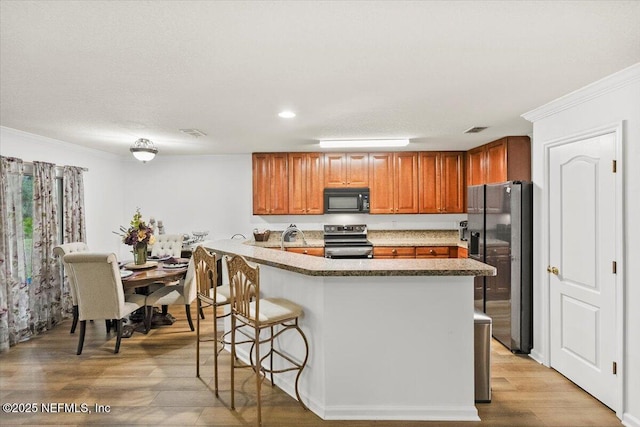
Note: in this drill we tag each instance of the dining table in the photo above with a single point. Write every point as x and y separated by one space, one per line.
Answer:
137 278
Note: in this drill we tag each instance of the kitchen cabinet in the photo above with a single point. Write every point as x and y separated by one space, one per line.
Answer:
306 180
463 252
346 170
441 182
394 183
394 252
435 252
506 159
499 286
313 251
270 186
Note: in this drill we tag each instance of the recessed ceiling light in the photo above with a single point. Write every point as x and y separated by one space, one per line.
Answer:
287 114
364 143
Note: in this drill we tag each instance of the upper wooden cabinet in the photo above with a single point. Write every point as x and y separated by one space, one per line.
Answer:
306 183
441 182
270 189
346 170
394 182
506 159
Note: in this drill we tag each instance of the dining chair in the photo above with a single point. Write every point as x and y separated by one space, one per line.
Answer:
100 292
211 295
181 292
250 311
60 251
167 245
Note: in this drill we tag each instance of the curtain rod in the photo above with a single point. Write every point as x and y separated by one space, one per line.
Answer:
30 165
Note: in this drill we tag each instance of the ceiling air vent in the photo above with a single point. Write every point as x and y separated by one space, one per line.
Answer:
475 129
193 132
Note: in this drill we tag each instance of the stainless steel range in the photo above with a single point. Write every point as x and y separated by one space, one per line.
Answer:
347 241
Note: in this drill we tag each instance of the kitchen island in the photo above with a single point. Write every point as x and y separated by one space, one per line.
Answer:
388 339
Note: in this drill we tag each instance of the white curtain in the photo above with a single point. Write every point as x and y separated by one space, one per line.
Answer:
45 291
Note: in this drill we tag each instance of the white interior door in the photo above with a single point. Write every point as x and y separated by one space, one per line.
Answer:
582 247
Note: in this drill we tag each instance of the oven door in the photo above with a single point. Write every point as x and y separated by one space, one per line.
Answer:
348 252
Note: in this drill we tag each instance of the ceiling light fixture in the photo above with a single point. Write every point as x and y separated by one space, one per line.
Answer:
144 150
287 114
364 143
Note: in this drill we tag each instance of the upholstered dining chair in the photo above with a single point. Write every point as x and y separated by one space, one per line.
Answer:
99 291
60 251
209 295
181 292
250 311
167 244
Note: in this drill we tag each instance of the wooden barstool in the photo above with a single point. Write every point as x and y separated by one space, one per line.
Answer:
250 314
209 295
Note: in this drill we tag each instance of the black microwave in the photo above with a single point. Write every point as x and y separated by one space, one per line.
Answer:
346 200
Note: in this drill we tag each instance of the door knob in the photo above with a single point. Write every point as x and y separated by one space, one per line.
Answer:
553 270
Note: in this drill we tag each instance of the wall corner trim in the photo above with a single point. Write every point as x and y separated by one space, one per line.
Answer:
598 88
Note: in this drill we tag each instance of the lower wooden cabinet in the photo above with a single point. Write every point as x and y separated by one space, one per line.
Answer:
314 251
397 252
420 252
435 252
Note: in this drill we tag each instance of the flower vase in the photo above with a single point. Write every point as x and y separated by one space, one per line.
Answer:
140 254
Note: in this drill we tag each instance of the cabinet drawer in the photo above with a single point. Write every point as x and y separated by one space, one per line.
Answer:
432 252
394 252
308 251
463 252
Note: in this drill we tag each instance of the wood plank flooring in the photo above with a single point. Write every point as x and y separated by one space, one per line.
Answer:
152 381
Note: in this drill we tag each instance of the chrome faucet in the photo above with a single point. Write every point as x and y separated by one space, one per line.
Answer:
288 233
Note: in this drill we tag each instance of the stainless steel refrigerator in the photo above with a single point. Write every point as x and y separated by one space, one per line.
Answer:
500 228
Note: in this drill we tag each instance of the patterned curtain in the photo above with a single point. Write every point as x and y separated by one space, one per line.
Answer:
73 221
14 291
45 291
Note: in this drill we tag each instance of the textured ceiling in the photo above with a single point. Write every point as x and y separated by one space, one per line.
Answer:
102 74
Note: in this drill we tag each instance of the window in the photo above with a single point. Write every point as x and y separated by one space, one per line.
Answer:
27 217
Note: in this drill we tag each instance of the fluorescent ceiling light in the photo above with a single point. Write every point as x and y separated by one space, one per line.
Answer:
364 143
287 114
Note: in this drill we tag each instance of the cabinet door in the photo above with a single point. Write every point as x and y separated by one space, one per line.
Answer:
475 166
357 169
261 184
382 183
270 186
452 186
307 251
496 162
315 184
297 183
432 252
306 181
390 252
279 185
429 185
405 182
335 170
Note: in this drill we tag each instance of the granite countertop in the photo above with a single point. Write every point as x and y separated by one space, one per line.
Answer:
377 237
319 266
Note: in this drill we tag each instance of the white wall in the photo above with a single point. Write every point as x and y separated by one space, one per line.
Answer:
612 100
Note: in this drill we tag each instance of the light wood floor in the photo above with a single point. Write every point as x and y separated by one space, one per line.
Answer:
152 381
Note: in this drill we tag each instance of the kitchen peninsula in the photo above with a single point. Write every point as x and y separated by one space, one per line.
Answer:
389 339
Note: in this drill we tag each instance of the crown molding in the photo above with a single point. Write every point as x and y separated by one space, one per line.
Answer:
596 89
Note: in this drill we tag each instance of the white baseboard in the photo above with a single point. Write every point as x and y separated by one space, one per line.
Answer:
537 356
629 420
412 413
